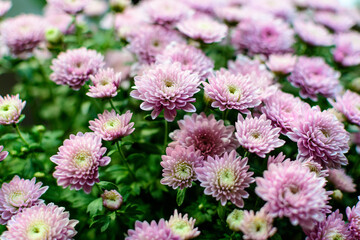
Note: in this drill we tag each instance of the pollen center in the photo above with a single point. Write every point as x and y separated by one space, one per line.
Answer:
226 178
38 231
183 171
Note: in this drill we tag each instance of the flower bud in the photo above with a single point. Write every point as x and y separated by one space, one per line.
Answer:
53 35
119 5
234 219
112 199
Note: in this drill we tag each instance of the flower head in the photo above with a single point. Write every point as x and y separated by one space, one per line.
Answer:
112 199
257 135
283 64
341 181
144 230
353 215
18 195
3 154
74 67
167 12
226 178
5 6
70 6
78 161
349 105
313 33
10 109
41 222
106 83
339 21
347 51
234 219
182 226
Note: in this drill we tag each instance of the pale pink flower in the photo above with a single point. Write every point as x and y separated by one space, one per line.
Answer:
120 61
349 105
341 180
313 34
353 215
106 83
183 226
347 50
166 12
283 64
158 231
5 6
3 154
10 109
112 199
339 21
70 6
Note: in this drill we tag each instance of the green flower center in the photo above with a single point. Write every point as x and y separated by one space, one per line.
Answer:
104 82
226 178
183 171
259 225
17 198
38 231
82 158
181 227
168 83
334 236
233 90
112 123
255 134
325 132
7 110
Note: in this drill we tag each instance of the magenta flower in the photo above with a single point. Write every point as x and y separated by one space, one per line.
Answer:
341 180
313 34
18 195
353 215
166 12
78 161
206 134
313 76
10 109
291 190
226 178
166 87
69 6
144 230
282 64
347 51
179 165
321 136
41 222
3 154
257 135
111 126
339 21
230 91
183 226
5 6
349 105
106 83
112 199
74 67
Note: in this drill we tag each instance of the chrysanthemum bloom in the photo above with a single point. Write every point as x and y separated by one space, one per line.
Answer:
263 35
120 61
190 57
292 191
183 226
3 154
230 14
283 64
150 41
78 161
61 21
129 22
341 180
10 109
106 83
144 230
95 8
232 91
257 226
111 126
326 5
41 222
166 12
313 166
234 219
349 105
226 178
17 195
74 67
356 141
281 9
168 87
203 28
4 7
69 6
353 215
333 228
313 34
347 51
257 135
275 160
112 199
23 33
321 136
339 21
179 165
205 6
313 76
206 134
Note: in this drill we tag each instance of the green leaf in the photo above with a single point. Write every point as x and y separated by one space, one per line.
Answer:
95 206
9 136
221 210
22 117
180 196
107 185
276 237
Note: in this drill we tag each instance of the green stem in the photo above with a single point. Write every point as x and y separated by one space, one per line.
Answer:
20 135
113 106
246 154
166 134
124 159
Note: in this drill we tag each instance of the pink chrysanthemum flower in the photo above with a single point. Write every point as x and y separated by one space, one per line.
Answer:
206 134
257 135
106 83
70 6
314 166
10 109
230 91
18 195
313 34
257 226
95 8
230 14
3 154
353 215
283 64
263 35
120 61
183 226
74 67
314 76
275 160
226 178
112 199
23 33
60 21
339 22
151 41
332 228
321 136
41 222
349 105
144 230
179 165
282 9
4 7
292 190
341 180
326 5
347 51
234 219
165 12
168 87
203 28
190 57
111 126
78 161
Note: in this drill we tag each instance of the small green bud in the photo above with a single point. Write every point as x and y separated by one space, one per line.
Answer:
355 85
337 195
234 219
119 5
40 128
39 174
23 149
53 35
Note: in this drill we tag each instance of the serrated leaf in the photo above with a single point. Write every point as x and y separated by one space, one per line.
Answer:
95 206
107 185
180 196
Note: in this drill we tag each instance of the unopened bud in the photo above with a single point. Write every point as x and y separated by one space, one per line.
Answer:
53 35
112 199
234 219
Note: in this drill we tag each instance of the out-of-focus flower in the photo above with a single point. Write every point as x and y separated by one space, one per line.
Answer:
74 67
183 226
353 215
78 161
206 134
326 5
168 87
313 34
41 222
95 8
230 14
5 6
226 178
106 83
111 126
283 64
3 154
313 166
234 219
179 165
158 231
349 105
112 199
257 135
61 21
313 76
120 61
166 12
356 140
230 91
70 6
205 6
339 21
341 180
129 23
10 109
280 8
119 5
347 50
18 195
